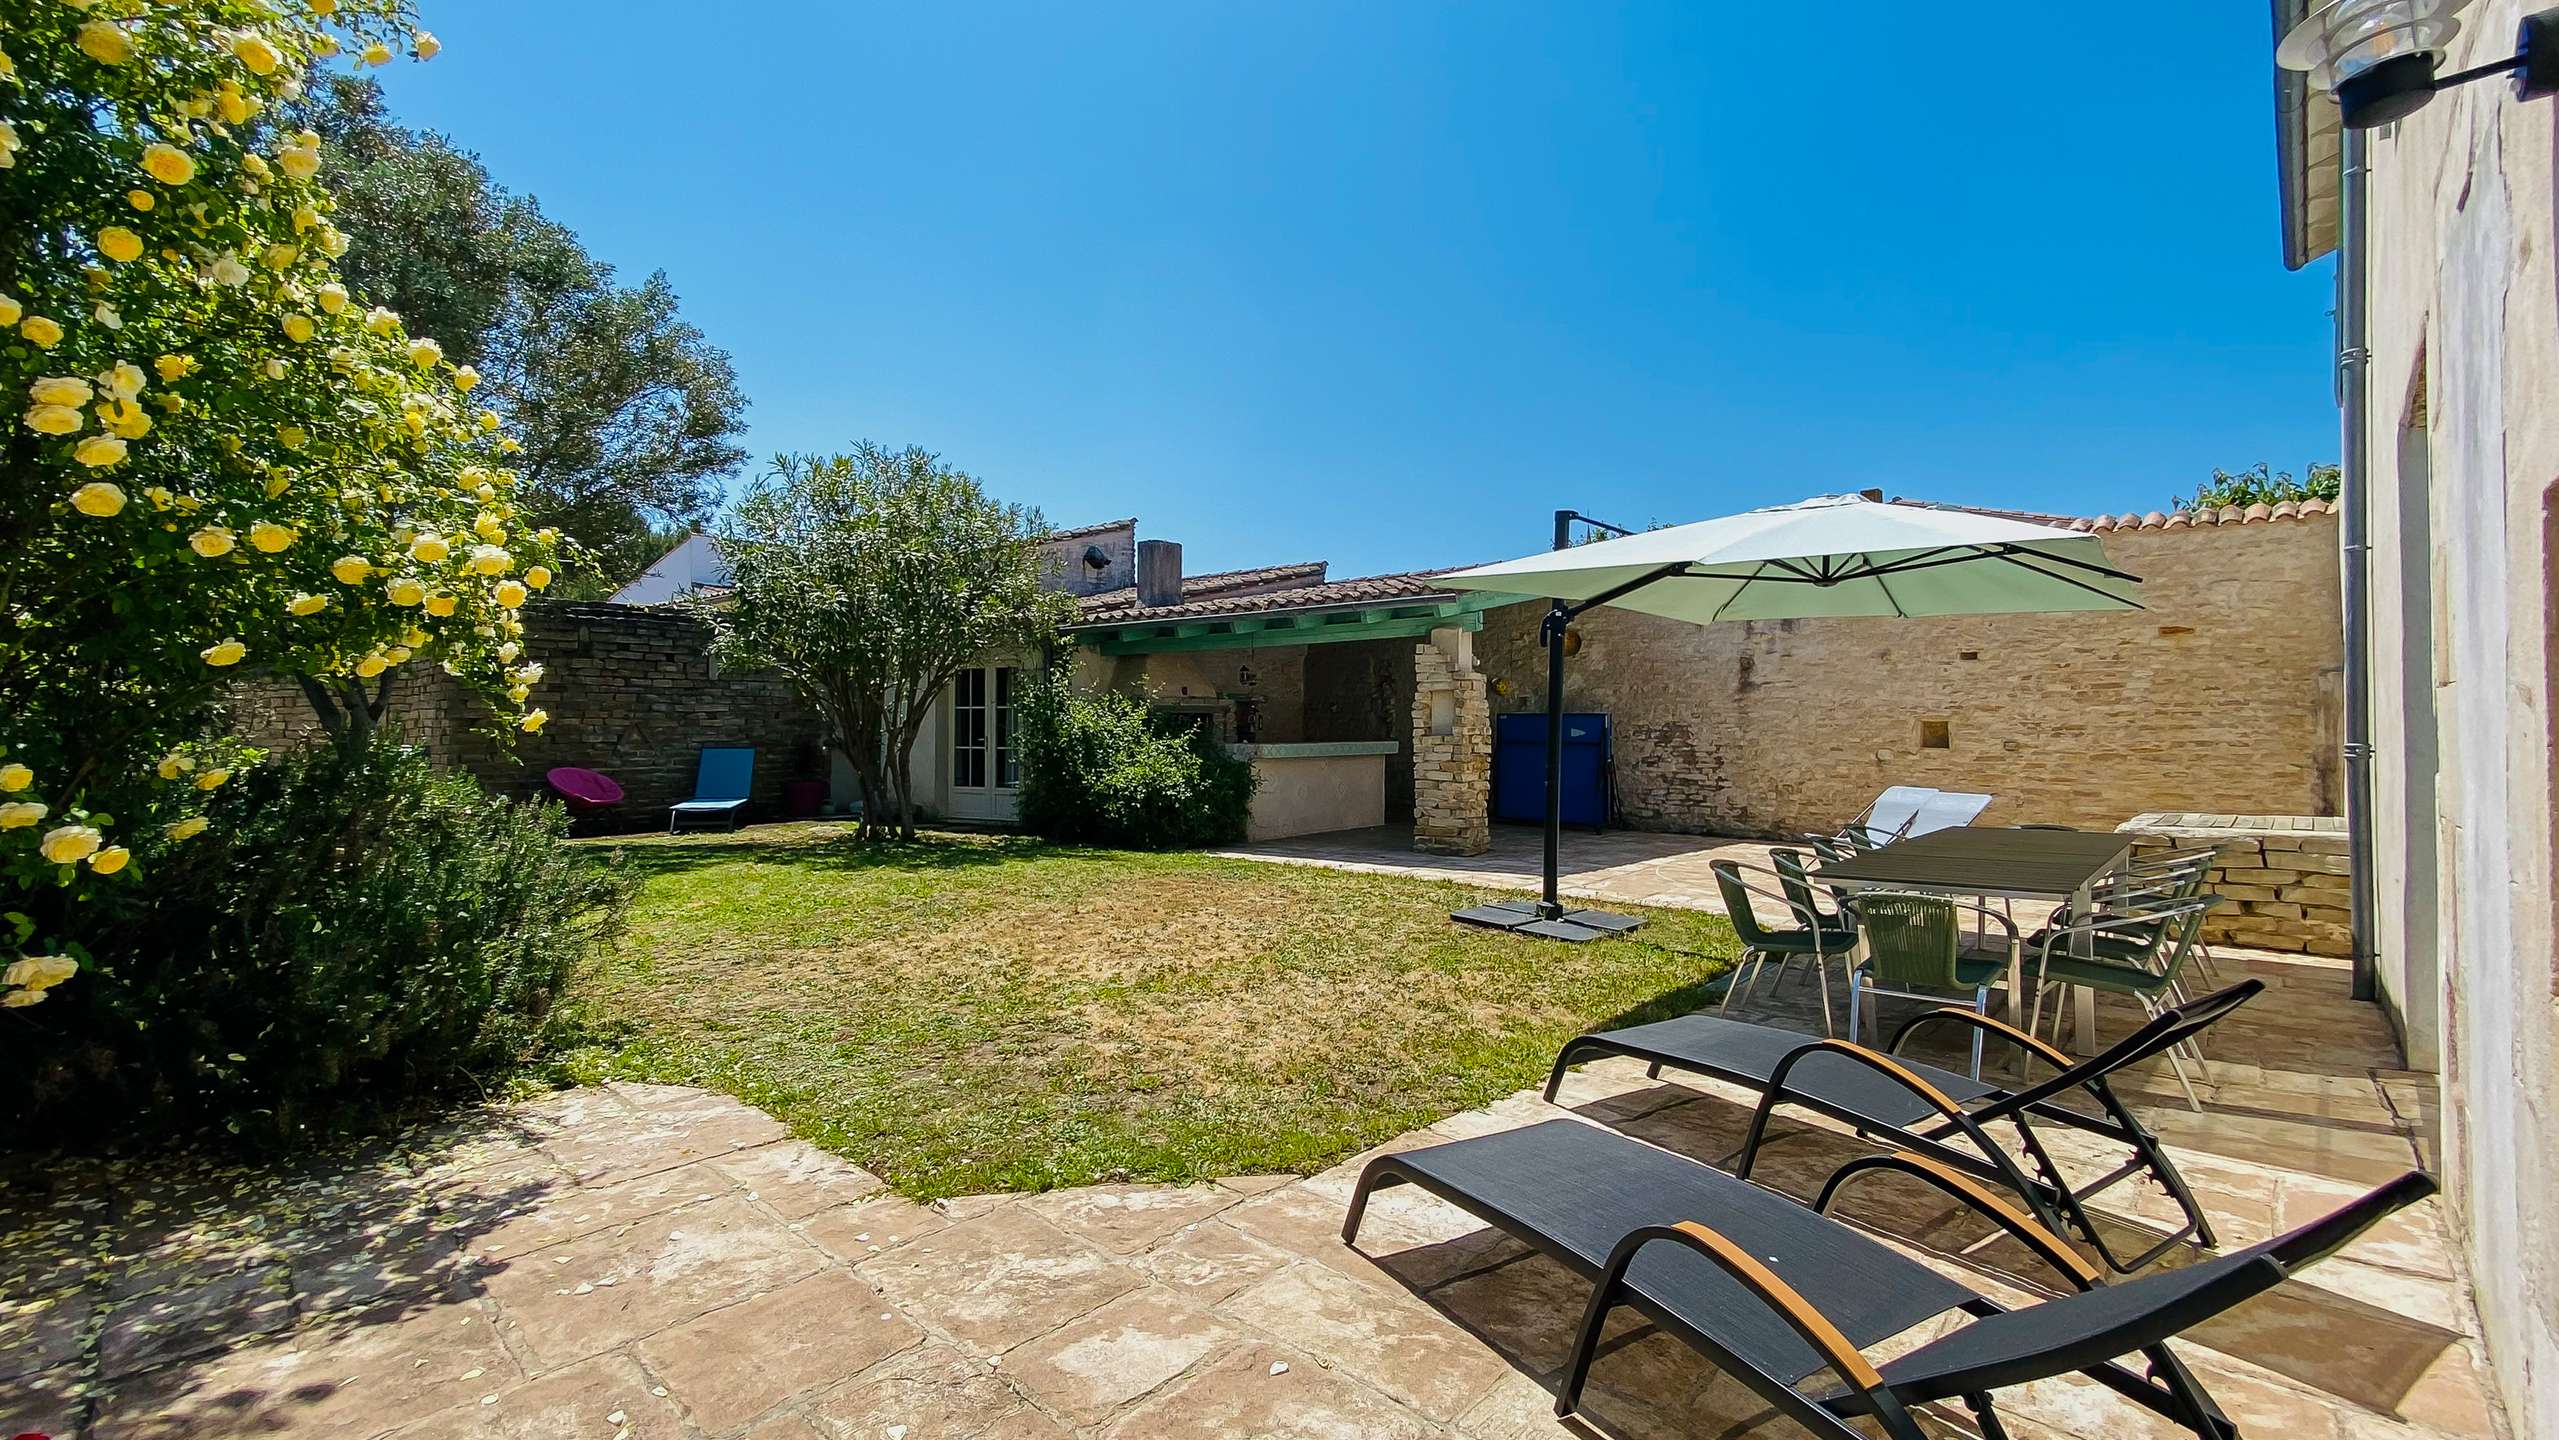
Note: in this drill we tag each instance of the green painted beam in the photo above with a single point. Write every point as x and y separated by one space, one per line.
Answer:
1320 628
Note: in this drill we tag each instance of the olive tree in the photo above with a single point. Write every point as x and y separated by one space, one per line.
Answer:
870 579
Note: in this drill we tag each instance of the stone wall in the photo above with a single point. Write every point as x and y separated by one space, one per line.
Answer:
2283 877
632 693
2222 694
1452 748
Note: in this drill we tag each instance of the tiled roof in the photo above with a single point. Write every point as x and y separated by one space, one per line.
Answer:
1080 531
1215 584
1366 590
2154 520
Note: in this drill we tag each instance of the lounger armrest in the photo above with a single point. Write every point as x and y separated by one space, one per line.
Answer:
2048 1247
1873 1060
2052 1054
1798 1312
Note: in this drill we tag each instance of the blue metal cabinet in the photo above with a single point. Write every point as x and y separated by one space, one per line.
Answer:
1519 769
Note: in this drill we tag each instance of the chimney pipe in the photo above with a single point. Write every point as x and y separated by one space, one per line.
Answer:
1159 573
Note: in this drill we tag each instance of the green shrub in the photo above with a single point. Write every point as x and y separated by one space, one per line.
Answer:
354 932
1101 768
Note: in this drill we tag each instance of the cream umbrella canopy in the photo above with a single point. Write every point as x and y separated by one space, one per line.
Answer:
1832 556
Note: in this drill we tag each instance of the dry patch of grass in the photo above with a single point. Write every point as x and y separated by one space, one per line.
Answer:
978 1012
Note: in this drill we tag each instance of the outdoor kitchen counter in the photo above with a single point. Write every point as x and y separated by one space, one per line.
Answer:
1321 785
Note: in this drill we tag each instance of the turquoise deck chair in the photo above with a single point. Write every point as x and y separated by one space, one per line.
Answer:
720 788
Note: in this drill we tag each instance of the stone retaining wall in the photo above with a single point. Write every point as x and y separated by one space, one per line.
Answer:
1452 748
2284 876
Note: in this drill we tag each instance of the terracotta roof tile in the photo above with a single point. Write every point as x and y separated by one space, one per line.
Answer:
2154 520
1215 584
1365 590
1080 531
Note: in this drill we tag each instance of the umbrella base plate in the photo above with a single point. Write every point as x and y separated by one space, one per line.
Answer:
1520 918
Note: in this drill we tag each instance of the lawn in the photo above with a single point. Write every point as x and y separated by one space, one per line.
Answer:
975 1013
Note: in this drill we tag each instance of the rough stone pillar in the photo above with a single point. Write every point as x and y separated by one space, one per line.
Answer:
1452 748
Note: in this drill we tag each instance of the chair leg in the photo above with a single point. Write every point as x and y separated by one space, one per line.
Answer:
1981 1003
1856 993
2176 1062
1821 982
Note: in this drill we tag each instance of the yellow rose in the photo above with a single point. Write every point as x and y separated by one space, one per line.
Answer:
168 164
405 591
53 419
41 332
15 777
189 828
351 569
174 368
269 537
100 451
211 542
381 321
19 814
20 999
488 528
140 199
306 604
229 652
333 297
213 779
236 108
510 594
98 498
301 165
324 7
439 605
105 42
280 257
127 419
490 560
59 390
424 353
119 244
429 549
299 328
123 379
110 860
175 764
371 665
488 419
377 53
464 377
534 720
256 52
10 309
40 973
333 242
69 844
425 45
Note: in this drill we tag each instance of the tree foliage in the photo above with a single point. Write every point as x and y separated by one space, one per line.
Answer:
223 461
2256 485
869 579
627 414
1105 768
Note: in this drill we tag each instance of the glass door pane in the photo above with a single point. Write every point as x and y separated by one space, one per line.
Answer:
1007 773
968 730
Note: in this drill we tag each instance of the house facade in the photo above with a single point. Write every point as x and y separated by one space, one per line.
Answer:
2460 430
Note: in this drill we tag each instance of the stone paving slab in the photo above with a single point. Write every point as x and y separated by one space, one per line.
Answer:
647 1263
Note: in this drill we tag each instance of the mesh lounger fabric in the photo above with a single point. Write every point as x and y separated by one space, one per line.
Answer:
1575 1190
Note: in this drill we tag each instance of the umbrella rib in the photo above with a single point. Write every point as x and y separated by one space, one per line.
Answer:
2075 582
1889 598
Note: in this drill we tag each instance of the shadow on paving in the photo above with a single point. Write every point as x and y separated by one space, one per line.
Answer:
139 1277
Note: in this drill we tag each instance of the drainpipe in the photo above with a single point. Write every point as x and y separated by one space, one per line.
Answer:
2354 384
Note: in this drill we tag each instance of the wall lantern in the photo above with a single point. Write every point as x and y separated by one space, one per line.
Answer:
2378 57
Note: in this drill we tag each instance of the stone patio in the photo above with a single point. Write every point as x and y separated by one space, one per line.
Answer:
644 1262
1623 867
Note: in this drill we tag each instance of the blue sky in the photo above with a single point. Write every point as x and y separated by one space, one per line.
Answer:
1385 283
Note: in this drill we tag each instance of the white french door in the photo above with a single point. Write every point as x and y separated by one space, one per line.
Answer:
985 776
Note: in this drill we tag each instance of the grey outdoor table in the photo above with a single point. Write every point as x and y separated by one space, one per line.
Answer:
2062 866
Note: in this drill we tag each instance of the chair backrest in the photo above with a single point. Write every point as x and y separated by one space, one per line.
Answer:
726 773
2170 1027
1947 810
1736 893
1910 939
1891 813
1798 886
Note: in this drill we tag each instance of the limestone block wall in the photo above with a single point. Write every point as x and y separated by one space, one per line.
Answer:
631 691
2224 694
1452 748
2283 877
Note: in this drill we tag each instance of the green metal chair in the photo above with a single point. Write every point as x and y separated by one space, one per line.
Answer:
1797 882
1811 940
1912 947
2138 955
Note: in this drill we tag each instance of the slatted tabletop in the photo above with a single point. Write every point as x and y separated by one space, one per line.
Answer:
1988 860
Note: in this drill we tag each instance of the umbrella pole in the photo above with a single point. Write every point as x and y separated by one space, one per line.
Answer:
1558 619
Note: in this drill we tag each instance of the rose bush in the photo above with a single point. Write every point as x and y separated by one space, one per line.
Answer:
218 461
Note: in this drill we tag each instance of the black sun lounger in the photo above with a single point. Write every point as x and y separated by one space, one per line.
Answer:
1774 1293
1922 1108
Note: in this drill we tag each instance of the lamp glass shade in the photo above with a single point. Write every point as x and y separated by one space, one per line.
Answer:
2344 38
